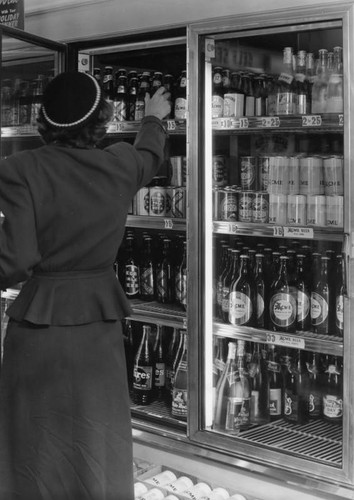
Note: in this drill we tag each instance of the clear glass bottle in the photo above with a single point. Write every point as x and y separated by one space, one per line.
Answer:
320 85
286 87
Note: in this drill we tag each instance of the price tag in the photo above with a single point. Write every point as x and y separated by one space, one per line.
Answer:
278 231
270 121
298 232
311 120
243 123
168 223
171 125
184 323
232 228
341 120
285 340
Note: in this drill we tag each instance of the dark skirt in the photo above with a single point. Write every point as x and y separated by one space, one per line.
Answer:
65 425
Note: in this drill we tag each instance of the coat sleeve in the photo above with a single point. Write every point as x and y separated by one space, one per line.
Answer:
18 241
148 149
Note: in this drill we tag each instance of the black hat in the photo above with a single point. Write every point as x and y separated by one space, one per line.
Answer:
71 99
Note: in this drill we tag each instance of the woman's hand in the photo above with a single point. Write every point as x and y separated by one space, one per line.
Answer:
159 104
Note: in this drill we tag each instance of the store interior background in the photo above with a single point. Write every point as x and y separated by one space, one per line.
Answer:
71 20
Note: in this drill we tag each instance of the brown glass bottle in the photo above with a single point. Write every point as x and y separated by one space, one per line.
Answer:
147 272
242 300
143 370
165 275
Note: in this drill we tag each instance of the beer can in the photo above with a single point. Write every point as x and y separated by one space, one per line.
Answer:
260 207
294 175
334 211
316 210
277 208
220 171
177 170
143 201
311 175
157 201
245 202
263 172
228 204
278 179
296 210
169 200
248 173
333 175
178 205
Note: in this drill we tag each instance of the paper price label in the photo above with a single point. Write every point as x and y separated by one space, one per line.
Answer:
278 231
232 228
298 232
171 125
285 340
341 120
168 223
311 120
270 121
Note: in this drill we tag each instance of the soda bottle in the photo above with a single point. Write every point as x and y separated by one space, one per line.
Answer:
159 365
177 358
147 272
170 357
165 275
286 88
108 84
230 277
120 100
340 291
143 370
275 384
241 414
320 301
259 277
315 387
181 280
302 85
320 84
131 270
218 364
282 304
180 385
333 392
129 350
224 268
296 392
225 388
242 300
144 87
259 388
180 108
217 105
303 318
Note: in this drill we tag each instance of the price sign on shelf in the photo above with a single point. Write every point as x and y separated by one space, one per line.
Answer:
270 121
171 125
298 232
285 340
311 120
168 223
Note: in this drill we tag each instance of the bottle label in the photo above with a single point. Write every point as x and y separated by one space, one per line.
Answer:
303 306
147 281
217 106
332 406
285 103
314 404
260 305
143 378
240 308
139 110
163 280
179 403
275 402
181 108
131 280
290 406
319 309
283 309
340 312
159 375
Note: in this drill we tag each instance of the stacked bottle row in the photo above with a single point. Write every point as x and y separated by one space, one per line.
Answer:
127 89
21 100
166 485
255 384
289 289
157 366
154 269
304 86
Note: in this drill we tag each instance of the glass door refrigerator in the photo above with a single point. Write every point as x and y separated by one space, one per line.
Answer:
271 307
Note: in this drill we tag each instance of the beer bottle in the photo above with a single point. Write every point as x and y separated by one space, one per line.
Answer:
286 88
159 365
120 101
237 92
217 105
177 357
320 301
225 388
144 87
180 108
165 276
132 96
181 280
302 85
129 350
340 291
147 272
244 381
108 84
97 75
180 384
315 387
303 318
156 82
259 96
296 392
261 292
242 300
230 277
37 98
275 384
319 87
259 388
24 104
170 357
223 270
131 270
333 392
248 90
282 304
143 370
6 103
168 83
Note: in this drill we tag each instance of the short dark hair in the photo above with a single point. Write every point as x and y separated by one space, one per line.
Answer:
88 135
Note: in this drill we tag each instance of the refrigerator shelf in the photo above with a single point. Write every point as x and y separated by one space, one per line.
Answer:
317 440
156 222
154 312
158 411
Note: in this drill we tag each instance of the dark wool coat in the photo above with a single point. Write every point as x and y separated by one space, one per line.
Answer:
65 431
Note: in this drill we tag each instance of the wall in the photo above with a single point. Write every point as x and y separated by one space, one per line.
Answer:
69 20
